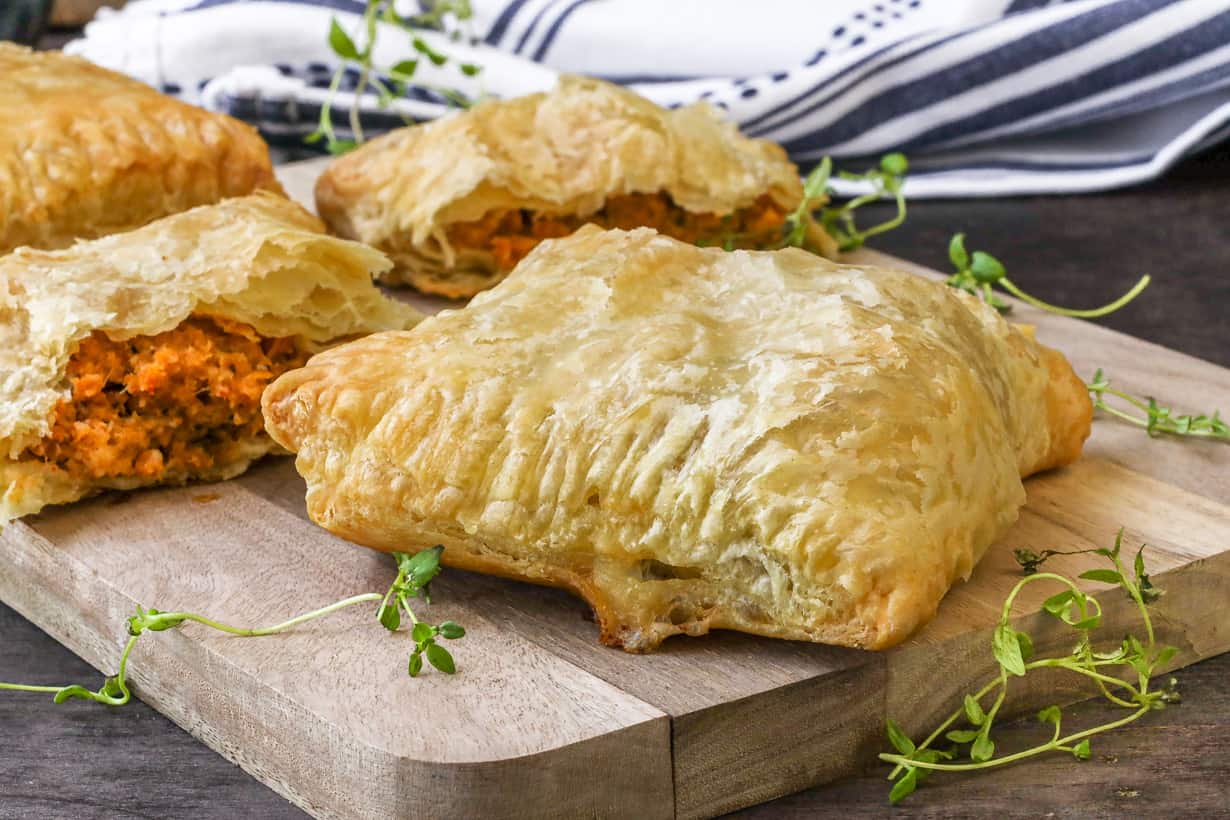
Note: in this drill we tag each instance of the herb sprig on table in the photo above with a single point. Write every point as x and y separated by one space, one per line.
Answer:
1155 418
978 273
886 180
414 575
1122 672
361 57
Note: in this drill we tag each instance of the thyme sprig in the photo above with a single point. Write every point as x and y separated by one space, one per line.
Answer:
886 180
387 82
979 272
414 574
1156 418
968 728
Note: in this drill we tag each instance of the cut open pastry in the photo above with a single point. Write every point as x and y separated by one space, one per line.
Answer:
140 358
86 152
456 203
692 439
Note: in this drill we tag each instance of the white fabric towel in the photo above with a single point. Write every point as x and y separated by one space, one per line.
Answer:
986 97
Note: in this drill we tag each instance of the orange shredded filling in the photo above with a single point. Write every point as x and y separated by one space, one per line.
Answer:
176 402
509 235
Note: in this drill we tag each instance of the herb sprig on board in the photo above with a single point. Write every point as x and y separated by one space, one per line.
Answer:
414 574
978 273
1122 673
360 56
1155 418
886 180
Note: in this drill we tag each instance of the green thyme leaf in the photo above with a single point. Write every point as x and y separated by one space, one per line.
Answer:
340 42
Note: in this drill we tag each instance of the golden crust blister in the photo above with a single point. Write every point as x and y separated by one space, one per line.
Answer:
259 260
692 439
86 152
565 152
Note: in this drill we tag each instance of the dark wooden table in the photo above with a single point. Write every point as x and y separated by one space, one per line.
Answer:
83 761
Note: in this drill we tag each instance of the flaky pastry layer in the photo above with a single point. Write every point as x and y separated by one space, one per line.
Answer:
692 439
259 265
86 152
565 154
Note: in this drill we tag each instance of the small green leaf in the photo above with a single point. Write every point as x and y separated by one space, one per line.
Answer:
894 164
470 69
1050 715
416 663
1106 576
982 750
1027 645
337 147
423 632
986 268
1007 649
390 616
962 735
1092 622
452 630
1057 604
340 41
900 740
1081 750
440 658
957 252
1166 655
421 567
405 69
904 787
973 711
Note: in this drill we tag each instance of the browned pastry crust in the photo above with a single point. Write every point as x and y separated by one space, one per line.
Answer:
692 439
86 152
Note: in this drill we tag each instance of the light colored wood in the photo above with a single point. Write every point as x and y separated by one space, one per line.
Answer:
544 721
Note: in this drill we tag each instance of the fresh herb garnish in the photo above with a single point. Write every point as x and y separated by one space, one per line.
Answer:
1157 419
398 75
414 573
838 221
972 746
979 272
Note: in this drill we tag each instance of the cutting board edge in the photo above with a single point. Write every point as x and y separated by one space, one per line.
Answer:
636 757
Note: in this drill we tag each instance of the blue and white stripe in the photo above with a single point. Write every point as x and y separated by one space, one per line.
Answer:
986 96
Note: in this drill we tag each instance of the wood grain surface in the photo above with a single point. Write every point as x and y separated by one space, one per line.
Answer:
1196 486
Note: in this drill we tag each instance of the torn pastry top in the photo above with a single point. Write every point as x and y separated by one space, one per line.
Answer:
690 438
259 260
86 152
567 154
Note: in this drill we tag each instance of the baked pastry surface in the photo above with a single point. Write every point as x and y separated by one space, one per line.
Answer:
86 152
692 439
458 201
139 358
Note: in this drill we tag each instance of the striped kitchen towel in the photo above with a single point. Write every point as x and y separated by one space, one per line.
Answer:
987 97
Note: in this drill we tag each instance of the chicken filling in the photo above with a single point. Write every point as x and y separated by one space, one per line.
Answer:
176 403
508 235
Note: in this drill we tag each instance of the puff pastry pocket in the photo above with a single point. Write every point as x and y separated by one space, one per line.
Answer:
456 203
86 152
140 358
692 439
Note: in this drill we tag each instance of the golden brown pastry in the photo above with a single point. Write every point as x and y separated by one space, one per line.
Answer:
86 152
458 202
140 358
692 439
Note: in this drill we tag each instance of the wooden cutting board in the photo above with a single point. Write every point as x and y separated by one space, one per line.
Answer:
543 721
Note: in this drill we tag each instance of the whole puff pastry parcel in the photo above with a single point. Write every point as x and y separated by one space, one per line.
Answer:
140 358
86 152
458 202
692 439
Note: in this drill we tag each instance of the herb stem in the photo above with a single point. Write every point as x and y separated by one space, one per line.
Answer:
266 630
1091 313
